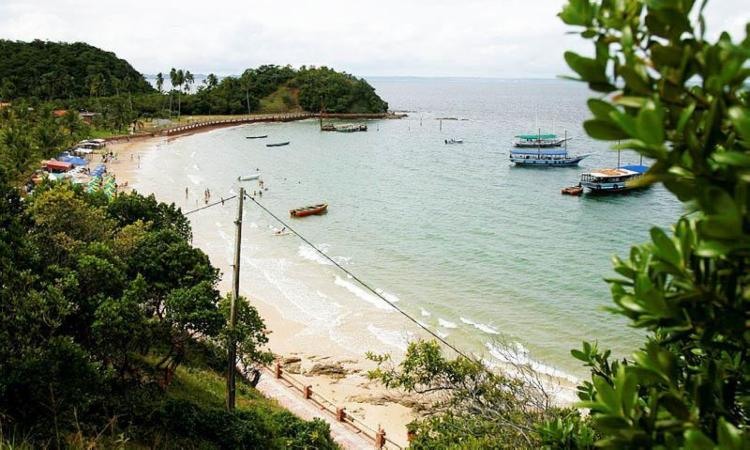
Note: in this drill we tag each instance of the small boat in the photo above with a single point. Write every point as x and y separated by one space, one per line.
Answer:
262 136
572 190
601 181
278 144
454 141
321 208
252 177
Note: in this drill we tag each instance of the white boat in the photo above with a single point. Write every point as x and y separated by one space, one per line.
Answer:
545 156
612 180
252 177
454 141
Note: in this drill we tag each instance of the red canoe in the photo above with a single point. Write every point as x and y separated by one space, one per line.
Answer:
309 210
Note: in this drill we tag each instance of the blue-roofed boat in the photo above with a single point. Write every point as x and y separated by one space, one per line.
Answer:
601 181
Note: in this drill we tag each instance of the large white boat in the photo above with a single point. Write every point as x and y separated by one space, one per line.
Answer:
556 157
612 180
545 155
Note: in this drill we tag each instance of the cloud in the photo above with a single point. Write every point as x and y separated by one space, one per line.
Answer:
496 38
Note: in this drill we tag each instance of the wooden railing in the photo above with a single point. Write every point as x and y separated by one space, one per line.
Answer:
378 437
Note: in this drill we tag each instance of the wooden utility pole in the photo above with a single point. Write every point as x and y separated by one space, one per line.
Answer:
232 344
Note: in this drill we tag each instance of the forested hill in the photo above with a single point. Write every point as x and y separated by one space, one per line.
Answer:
56 70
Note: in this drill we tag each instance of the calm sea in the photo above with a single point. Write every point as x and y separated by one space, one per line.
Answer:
477 250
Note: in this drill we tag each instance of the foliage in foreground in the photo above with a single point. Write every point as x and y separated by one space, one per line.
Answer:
682 101
473 406
110 320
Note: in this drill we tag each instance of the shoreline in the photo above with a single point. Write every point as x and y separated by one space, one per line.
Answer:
340 375
290 336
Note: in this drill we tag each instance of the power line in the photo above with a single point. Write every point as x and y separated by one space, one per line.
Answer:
367 286
209 205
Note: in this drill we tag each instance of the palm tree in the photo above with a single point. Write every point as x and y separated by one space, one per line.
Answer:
189 80
180 82
173 81
211 81
246 80
159 81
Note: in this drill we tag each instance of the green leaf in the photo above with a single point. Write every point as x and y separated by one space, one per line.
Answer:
685 115
604 130
695 440
600 108
731 158
650 122
589 69
730 438
741 120
577 12
666 247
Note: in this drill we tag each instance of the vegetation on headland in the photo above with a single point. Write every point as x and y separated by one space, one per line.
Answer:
57 70
80 77
114 333
675 97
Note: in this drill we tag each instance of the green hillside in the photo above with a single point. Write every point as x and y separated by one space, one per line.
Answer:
56 70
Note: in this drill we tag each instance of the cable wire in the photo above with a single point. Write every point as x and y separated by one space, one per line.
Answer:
209 205
365 285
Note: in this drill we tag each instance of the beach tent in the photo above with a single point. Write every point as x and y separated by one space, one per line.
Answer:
74 160
57 166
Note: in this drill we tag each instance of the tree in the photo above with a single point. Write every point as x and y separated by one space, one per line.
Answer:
159 82
247 82
683 101
189 80
249 335
173 80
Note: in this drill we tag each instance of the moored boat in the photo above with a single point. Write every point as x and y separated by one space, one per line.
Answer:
545 156
321 208
617 179
278 144
251 177
262 136
572 190
454 141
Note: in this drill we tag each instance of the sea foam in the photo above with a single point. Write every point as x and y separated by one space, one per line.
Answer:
447 323
362 294
390 337
479 326
311 254
517 354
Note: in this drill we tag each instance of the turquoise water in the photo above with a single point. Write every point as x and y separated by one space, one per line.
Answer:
476 249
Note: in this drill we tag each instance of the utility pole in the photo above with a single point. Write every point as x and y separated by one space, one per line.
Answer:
232 344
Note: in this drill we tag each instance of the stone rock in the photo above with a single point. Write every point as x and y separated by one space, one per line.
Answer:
329 369
291 360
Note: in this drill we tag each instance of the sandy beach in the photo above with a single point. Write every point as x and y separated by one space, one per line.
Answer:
334 372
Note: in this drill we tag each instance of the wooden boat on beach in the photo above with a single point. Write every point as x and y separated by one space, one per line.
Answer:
278 144
318 209
262 136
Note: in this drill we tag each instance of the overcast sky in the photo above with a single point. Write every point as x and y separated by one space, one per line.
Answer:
481 38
